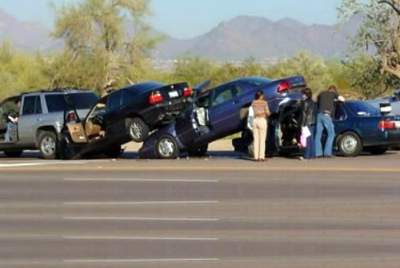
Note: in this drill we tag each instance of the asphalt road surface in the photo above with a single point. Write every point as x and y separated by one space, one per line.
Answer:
216 212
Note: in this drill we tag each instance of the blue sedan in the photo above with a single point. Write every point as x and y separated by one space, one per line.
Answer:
361 127
217 113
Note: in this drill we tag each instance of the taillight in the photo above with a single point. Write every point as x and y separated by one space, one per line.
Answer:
283 87
71 117
155 98
387 125
187 92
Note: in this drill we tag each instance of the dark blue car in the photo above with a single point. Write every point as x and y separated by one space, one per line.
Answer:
361 127
217 113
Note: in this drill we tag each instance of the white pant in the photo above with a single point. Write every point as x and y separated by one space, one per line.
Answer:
260 137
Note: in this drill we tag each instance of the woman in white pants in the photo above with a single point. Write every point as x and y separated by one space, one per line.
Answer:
258 115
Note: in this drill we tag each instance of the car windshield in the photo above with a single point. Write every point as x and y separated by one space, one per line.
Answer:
363 109
258 81
148 86
81 101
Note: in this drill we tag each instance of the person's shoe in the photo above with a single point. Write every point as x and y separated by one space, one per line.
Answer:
301 158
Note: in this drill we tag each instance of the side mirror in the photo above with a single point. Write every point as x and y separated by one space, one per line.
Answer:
385 108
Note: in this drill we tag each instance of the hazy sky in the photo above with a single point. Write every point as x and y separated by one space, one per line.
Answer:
187 18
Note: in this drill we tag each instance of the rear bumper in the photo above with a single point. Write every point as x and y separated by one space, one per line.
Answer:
385 139
165 112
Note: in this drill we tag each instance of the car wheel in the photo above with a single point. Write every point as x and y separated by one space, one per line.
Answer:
167 148
48 145
13 153
378 150
137 129
198 151
350 144
114 151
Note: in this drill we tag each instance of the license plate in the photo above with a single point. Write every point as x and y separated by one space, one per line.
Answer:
173 94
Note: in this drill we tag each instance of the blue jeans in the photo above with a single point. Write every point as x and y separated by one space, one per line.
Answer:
8 137
309 152
324 121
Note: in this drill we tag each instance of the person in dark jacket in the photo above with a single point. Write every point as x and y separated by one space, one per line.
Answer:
326 110
309 121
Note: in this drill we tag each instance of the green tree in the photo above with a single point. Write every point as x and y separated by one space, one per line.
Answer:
193 70
379 32
20 72
106 42
314 70
365 76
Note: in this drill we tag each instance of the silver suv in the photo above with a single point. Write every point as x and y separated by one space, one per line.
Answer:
35 120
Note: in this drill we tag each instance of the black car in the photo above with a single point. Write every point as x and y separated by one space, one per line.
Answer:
134 111
127 114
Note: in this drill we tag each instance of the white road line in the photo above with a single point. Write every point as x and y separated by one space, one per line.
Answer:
139 180
140 203
82 218
44 163
139 260
21 165
140 238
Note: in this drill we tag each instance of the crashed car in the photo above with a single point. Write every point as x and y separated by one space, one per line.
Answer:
39 117
217 113
128 114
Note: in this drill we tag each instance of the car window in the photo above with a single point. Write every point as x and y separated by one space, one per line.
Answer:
114 101
226 93
340 113
81 101
32 105
363 109
203 101
38 105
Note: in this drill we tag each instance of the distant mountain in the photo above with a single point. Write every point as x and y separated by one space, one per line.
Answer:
236 39
25 36
247 36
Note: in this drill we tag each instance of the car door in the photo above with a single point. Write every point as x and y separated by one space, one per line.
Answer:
340 119
114 121
224 112
29 119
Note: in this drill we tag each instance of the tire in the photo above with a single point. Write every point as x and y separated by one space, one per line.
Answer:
378 150
48 145
13 153
167 148
349 144
198 151
114 151
137 129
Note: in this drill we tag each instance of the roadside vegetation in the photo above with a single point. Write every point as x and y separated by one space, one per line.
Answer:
99 53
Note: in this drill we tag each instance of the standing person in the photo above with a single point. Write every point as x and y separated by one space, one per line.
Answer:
258 115
12 121
309 121
326 111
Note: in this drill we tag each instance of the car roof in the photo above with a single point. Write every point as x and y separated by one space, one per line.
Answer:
253 80
57 91
145 86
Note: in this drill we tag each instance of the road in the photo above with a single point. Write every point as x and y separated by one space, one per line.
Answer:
215 212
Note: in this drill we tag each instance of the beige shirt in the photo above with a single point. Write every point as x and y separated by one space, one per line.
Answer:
260 109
